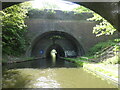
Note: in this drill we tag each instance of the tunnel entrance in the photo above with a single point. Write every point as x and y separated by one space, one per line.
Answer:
59 50
65 45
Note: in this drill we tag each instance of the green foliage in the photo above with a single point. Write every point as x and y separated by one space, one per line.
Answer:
100 46
82 9
117 40
116 48
13 29
103 27
83 58
34 12
76 61
113 60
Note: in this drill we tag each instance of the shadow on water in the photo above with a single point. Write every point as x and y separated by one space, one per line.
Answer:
41 64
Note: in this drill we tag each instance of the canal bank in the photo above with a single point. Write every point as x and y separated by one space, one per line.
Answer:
103 72
107 72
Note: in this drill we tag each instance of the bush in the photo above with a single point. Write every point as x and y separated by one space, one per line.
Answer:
76 61
14 29
113 60
98 47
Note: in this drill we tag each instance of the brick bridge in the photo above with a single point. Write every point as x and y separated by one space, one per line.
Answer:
70 34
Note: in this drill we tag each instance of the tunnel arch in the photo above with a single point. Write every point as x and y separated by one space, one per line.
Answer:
59 50
64 42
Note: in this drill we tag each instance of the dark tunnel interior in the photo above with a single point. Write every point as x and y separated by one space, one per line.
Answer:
58 48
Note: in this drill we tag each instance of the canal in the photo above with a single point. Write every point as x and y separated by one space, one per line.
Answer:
42 73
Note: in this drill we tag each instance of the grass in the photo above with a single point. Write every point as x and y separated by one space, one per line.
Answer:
76 61
101 45
103 48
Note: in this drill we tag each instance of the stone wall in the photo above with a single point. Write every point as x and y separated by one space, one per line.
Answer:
81 30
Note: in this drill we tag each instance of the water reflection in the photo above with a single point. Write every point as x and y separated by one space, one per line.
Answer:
53 55
41 63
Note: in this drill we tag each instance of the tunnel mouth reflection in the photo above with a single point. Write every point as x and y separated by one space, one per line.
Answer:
59 50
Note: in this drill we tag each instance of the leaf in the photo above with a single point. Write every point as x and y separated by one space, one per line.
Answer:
13 38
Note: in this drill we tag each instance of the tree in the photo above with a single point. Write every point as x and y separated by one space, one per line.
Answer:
103 27
13 29
82 9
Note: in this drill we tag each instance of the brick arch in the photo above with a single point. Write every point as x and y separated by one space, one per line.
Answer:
70 46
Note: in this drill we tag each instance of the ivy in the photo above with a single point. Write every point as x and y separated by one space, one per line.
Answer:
13 29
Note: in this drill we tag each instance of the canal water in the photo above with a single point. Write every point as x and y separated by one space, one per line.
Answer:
42 74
